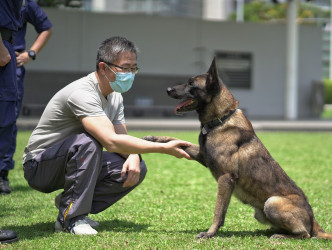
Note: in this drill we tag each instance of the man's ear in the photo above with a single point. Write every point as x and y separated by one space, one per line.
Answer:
102 68
212 80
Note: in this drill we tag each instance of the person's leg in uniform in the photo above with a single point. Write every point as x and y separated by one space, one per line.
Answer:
8 99
6 131
109 188
8 161
74 165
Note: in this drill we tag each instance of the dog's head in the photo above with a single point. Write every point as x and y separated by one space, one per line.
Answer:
198 92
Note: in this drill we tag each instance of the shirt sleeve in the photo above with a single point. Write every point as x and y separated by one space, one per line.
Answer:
83 103
37 17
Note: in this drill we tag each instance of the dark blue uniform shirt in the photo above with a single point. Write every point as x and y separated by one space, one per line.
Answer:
10 14
10 20
31 13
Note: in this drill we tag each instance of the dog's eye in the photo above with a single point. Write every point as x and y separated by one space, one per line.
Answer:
191 81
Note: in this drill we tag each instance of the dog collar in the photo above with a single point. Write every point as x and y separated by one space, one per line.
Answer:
214 123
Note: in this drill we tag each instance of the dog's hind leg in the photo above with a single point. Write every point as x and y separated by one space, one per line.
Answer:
260 217
283 213
226 185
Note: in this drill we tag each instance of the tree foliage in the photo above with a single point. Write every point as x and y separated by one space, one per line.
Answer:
261 11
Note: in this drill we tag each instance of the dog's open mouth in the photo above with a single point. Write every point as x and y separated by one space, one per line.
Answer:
185 106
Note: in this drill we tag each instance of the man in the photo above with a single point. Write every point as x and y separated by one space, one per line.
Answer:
9 23
66 148
30 13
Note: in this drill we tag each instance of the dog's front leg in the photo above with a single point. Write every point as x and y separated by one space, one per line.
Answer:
194 153
192 150
225 189
162 139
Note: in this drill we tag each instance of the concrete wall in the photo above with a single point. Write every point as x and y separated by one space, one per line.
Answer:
172 49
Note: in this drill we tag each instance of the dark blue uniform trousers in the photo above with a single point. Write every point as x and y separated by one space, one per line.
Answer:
8 99
8 160
90 177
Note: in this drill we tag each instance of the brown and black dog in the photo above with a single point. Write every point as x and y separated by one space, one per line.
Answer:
239 161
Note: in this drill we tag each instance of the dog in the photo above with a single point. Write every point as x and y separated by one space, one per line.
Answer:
239 161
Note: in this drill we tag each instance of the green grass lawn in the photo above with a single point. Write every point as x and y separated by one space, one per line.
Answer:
176 202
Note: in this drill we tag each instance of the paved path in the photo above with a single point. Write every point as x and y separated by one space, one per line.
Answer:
192 124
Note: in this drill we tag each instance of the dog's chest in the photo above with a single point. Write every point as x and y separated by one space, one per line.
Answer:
217 155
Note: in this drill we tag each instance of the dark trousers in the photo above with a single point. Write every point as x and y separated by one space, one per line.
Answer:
5 136
8 161
8 99
90 177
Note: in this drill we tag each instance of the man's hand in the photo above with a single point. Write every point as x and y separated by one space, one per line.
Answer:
174 148
22 58
4 54
132 166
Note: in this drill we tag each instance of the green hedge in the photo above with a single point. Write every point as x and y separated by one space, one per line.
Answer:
328 91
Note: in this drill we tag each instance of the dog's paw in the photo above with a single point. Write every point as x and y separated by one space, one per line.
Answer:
277 236
205 235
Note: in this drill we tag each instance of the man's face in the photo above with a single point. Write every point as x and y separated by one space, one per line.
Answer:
125 63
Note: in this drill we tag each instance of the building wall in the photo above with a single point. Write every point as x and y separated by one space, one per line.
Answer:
173 49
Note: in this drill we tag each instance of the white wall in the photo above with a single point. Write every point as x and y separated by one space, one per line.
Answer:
183 47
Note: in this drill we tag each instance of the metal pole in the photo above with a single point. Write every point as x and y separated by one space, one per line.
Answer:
239 11
292 62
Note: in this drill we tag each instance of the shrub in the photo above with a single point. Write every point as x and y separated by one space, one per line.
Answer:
328 91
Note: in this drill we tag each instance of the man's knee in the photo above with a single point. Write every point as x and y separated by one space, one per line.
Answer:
92 145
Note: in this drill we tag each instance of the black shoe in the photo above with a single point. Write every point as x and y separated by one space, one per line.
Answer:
4 182
7 236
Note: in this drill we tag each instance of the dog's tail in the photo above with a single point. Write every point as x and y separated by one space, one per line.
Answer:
319 233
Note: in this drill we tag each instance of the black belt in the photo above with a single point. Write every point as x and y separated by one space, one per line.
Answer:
7 35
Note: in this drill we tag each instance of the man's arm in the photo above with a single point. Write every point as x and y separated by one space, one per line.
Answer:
132 164
4 54
102 129
37 46
122 129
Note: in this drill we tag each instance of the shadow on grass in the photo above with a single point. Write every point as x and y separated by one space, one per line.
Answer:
21 188
46 229
228 234
29 232
242 234
121 226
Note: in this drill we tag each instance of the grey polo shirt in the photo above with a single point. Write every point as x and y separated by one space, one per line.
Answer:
60 118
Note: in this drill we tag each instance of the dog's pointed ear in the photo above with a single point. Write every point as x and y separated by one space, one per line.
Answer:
212 81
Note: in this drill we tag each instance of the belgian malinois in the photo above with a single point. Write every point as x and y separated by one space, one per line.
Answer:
240 163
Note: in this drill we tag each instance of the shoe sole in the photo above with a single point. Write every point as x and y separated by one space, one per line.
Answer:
9 241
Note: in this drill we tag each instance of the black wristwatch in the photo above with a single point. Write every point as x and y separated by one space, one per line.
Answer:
32 54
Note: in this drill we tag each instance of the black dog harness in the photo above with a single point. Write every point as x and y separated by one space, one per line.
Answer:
214 123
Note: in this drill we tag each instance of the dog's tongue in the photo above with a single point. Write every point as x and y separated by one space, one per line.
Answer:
182 104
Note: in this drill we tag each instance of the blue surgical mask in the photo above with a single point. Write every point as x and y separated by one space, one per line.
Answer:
123 81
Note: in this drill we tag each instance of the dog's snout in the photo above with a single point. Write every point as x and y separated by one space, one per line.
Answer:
170 90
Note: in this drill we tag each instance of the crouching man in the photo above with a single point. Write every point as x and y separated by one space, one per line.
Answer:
65 150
